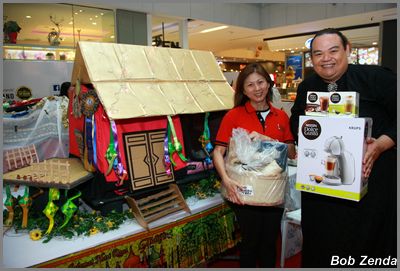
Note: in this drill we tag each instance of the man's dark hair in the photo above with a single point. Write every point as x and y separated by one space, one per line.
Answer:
343 38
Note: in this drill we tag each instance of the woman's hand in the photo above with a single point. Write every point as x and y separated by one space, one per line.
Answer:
254 135
232 190
230 185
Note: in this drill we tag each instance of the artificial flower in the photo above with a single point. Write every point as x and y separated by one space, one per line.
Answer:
93 231
35 234
201 195
217 185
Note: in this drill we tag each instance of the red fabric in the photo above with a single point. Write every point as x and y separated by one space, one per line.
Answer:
74 123
129 126
102 123
276 124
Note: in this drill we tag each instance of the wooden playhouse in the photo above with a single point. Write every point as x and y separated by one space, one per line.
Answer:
125 113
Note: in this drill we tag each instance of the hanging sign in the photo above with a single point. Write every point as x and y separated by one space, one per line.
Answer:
24 93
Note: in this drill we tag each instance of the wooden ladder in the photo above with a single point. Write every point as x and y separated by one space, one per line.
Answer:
156 206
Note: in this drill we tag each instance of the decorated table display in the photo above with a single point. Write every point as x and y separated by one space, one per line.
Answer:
68 221
116 239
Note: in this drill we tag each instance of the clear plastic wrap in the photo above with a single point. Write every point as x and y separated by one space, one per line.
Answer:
259 166
44 129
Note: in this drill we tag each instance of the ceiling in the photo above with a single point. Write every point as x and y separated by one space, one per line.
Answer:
235 37
219 42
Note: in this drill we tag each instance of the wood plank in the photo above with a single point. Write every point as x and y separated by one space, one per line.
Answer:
155 196
183 202
136 212
158 209
163 213
159 202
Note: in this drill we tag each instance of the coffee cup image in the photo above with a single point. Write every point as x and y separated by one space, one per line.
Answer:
348 105
316 178
330 164
323 103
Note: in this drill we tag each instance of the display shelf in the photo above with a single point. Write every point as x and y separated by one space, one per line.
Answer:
30 52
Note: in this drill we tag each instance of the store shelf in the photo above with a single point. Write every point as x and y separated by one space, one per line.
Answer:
28 52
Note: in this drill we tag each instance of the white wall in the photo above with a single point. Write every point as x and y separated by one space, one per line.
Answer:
39 76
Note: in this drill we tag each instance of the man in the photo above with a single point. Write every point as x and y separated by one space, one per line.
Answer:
335 228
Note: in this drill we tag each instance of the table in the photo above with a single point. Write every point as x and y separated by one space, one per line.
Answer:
77 175
169 243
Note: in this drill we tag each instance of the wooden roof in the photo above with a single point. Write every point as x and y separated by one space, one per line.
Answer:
139 81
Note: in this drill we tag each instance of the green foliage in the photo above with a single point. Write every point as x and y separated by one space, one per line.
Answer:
11 26
82 223
87 223
202 189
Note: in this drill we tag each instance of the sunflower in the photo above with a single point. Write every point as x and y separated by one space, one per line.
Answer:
201 195
93 231
35 234
109 224
98 219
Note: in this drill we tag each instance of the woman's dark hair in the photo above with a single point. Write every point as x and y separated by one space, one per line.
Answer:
240 98
64 89
342 37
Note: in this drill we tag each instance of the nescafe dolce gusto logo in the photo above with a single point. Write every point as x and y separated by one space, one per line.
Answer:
312 97
335 98
311 129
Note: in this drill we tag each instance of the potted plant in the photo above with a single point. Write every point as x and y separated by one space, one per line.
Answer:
11 30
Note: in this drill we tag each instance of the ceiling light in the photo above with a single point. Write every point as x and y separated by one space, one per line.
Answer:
70 22
102 14
28 16
94 23
90 19
214 29
374 43
292 51
111 37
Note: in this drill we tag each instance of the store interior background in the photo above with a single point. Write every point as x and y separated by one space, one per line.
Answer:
273 34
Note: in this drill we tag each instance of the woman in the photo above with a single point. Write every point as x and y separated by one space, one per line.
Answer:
253 111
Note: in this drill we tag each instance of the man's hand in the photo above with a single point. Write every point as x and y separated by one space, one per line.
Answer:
374 149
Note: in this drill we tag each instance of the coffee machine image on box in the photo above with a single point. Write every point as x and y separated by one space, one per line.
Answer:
339 163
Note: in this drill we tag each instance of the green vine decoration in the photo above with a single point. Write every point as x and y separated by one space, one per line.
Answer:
205 188
90 223
82 223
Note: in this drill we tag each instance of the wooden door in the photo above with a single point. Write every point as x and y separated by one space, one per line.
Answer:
144 153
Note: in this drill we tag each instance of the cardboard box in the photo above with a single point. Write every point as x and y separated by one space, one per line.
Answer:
332 104
330 153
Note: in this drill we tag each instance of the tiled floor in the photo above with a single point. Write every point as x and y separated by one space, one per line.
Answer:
230 259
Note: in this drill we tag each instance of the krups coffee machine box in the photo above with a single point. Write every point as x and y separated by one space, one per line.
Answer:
330 154
332 104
